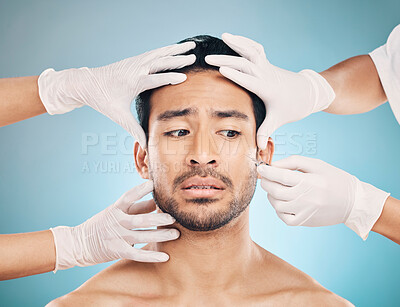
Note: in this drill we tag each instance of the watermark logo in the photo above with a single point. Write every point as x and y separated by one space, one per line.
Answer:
112 150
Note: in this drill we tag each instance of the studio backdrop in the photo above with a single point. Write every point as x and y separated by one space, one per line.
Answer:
63 169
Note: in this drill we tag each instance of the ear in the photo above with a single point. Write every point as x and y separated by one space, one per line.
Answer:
141 160
266 154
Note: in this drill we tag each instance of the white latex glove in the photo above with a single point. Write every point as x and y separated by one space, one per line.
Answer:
311 192
287 96
110 89
111 234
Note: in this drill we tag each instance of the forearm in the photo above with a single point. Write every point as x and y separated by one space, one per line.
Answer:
388 223
19 99
26 254
356 84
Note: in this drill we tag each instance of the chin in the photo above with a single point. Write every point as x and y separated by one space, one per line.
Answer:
204 216
202 213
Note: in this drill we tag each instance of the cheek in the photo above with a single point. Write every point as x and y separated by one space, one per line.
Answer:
240 170
239 154
164 165
232 147
249 167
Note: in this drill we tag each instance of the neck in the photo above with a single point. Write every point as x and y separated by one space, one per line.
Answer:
209 260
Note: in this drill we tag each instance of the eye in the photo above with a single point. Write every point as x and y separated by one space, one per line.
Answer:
177 133
230 133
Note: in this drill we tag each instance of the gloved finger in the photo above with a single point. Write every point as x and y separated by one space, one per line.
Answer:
288 219
246 47
157 80
266 129
247 81
173 49
130 124
299 163
287 207
301 218
134 194
143 220
279 191
149 236
280 175
239 63
171 62
145 206
132 253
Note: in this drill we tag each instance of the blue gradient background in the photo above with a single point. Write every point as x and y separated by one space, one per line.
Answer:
42 183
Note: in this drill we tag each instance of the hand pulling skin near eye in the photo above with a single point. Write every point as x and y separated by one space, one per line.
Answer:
109 89
289 97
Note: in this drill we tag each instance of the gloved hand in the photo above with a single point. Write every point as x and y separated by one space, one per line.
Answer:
111 234
310 192
110 89
287 96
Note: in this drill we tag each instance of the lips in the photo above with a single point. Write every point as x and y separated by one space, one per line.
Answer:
202 187
199 187
203 183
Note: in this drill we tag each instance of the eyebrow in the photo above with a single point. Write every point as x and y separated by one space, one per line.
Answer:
230 113
170 114
167 115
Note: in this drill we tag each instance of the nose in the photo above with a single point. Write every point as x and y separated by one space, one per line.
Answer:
202 151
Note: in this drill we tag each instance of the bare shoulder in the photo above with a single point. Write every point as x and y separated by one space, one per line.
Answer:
107 287
299 298
319 298
283 283
280 275
83 298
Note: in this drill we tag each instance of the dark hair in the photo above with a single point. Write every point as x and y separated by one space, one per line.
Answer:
205 45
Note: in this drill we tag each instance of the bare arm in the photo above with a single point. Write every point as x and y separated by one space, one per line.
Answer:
356 84
388 223
19 99
26 254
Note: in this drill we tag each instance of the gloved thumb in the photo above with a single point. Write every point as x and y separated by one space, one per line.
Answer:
300 163
130 124
265 131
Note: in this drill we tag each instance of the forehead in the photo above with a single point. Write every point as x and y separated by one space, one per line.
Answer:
203 90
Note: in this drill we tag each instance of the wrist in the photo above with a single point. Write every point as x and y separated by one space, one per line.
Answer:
67 242
322 93
57 91
367 208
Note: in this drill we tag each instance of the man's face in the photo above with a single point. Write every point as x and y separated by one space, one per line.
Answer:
201 135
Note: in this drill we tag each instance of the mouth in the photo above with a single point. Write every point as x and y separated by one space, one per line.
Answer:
202 187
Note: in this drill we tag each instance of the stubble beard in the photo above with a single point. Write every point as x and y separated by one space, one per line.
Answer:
203 219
